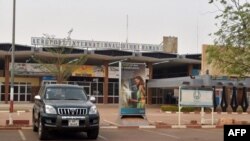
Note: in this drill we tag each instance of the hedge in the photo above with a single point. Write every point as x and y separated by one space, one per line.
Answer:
174 108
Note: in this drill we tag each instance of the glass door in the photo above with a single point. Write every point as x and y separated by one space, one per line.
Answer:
87 90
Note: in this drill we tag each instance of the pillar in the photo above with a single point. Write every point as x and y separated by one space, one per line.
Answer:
244 103
149 90
239 95
224 103
106 82
190 69
214 98
234 103
7 76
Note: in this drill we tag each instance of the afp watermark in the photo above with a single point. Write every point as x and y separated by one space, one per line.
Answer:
236 132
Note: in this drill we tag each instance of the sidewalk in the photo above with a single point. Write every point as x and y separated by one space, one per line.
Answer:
109 114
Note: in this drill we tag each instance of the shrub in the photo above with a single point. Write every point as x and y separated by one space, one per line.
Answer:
171 108
174 108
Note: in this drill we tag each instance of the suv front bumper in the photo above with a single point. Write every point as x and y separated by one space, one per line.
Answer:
60 122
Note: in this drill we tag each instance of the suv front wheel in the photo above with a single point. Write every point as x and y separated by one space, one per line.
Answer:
42 132
93 133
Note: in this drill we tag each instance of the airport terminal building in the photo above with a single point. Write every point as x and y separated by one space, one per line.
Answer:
99 75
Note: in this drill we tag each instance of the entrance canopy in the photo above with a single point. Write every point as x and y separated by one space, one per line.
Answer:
198 81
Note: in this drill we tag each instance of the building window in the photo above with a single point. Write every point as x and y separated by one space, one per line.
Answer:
113 94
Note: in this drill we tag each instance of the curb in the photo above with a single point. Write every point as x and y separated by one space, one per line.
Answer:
219 113
171 127
15 127
10 128
130 127
16 111
19 122
167 112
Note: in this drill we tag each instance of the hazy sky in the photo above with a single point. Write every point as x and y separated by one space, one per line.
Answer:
105 20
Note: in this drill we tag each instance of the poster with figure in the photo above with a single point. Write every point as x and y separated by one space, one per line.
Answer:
132 88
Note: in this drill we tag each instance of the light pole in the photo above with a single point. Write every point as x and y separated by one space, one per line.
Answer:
12 64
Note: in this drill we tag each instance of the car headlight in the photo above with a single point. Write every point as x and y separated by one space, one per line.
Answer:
50 109
93 110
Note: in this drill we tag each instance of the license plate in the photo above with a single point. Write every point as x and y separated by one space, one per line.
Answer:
73 123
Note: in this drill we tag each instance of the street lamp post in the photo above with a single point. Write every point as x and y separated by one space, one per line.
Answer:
12 64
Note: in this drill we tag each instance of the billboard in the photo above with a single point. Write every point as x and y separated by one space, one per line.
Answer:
132 93
196 97
30 69
89 71
83 70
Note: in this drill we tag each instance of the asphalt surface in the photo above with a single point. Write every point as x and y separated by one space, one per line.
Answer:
121 135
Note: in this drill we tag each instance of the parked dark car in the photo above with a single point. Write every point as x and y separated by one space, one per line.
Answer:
64 107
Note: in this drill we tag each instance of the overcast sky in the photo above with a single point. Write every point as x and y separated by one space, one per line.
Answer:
105 20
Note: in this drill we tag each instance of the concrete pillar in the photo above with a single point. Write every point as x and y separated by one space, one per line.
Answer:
7 77
214 98
239 95
244 103
106 82
234 103
190 69
149 90
224 101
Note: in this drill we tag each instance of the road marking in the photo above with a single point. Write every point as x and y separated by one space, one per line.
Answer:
26 128
110 122
22 135
212 131
102 137
163 134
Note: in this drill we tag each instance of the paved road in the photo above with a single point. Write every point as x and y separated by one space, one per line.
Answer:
122 135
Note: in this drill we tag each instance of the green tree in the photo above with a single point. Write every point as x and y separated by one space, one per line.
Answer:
231 51
60 62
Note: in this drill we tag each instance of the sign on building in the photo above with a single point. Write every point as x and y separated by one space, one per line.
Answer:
86 44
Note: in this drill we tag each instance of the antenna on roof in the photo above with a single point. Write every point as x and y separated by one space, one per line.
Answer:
197 36
69 33
127 31
197 29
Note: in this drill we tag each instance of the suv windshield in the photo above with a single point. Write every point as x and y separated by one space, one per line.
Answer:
64 93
